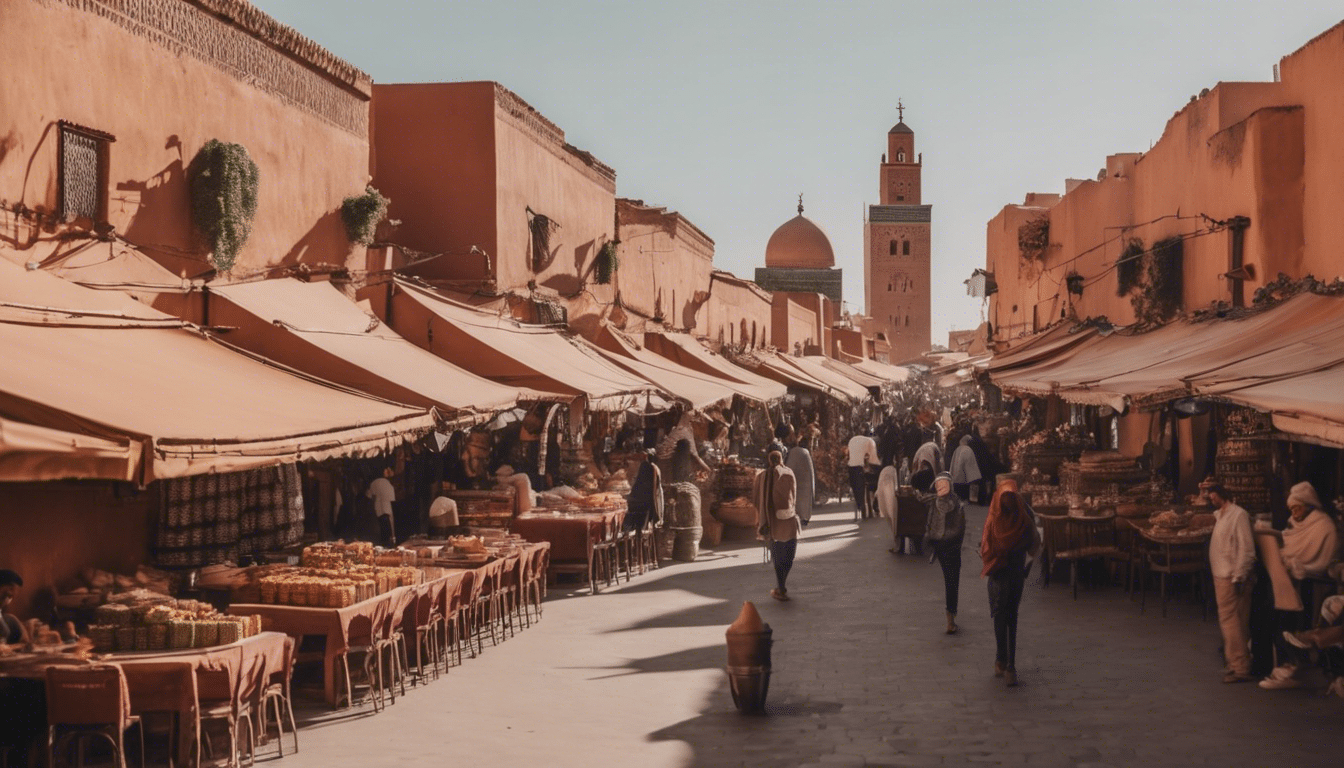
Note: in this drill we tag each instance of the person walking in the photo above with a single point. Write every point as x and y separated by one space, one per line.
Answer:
1010 536
1231 559
965 470
945 532
645 502
775 494
862 452
799 460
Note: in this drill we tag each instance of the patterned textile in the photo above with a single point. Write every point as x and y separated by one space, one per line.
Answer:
208 519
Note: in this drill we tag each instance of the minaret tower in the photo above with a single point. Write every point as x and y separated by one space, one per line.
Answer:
897 248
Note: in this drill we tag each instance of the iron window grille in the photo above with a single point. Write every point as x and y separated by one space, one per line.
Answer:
83 171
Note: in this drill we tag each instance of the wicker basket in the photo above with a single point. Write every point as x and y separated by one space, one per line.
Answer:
229 632
158 637
104 637
126 638
181 634
207 634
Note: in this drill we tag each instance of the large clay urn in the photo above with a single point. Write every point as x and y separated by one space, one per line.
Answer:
749 641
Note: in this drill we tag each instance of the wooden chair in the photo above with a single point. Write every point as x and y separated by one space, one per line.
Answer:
388 639
85 703
361 645
1088 539
428 627
221 700
167 689
278 696
1166 557
1054 537
588 567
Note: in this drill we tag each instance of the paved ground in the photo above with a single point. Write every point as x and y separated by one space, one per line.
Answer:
863 676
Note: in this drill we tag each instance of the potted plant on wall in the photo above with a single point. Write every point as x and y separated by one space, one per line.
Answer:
361 215
606 264
223 181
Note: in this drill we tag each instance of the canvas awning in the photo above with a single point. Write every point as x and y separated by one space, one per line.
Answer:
816 367
891 373
1287 361
29 452
101 363
853 373
699 390
504 350
685 350
776 366
313 327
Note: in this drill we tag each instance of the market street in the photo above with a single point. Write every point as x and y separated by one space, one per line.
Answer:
863 675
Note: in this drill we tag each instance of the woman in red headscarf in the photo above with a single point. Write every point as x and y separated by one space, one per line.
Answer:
1010 536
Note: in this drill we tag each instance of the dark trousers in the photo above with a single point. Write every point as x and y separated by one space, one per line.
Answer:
385 528
782 552
948 554
1005 597
858 485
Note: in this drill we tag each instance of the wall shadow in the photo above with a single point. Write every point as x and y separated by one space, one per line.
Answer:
324 243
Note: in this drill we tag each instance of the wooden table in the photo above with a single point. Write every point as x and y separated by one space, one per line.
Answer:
335 624
570 533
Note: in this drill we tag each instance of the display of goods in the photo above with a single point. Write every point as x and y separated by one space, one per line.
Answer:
485 508
1168 519
332 587
114 614
336 554
96 587
207 634
1243 466
603 501
735 479
181 634
162 625
739 512
158 637
616 483
467 545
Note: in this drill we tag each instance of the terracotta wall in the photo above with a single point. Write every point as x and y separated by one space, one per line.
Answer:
54 530
1238 150
465 162
433 156
736 307
792 322
1311 77
665 263
164 77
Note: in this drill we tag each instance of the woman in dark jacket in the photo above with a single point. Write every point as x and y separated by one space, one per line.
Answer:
645 502
945 532
1010 536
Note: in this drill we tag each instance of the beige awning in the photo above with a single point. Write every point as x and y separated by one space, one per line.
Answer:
502 349
103 364
684 349
776 366
29 452
699 390
313 327
1287 361
816 367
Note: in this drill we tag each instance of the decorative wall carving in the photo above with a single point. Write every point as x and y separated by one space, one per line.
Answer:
287 65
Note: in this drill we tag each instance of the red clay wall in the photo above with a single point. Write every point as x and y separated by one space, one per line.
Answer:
164 77
54 530
665 265
735 309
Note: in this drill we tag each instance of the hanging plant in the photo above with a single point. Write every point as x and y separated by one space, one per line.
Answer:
1075 283
361 215
223 181
607 263
1033 238
1129 267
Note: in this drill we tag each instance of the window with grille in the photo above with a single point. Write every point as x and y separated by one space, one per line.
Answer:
83 172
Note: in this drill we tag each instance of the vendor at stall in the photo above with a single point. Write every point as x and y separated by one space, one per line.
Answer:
1310 544
12 629
442 517
383 494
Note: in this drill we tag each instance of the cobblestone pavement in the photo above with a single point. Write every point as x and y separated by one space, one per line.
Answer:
863 675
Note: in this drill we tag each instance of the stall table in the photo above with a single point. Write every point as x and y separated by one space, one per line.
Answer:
334 623
571 533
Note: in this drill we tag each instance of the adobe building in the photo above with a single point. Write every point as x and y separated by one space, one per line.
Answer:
896 242
105 104
488 185
738 313
665 264
799 259
1245 183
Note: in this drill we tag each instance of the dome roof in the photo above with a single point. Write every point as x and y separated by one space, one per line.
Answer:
799 244
900 127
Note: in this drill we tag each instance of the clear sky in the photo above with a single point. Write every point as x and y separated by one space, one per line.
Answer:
725 110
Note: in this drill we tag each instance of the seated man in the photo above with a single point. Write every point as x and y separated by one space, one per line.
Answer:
1310 543
12 631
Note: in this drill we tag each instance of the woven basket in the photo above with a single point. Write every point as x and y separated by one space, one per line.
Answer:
207 634
181 634
267 589
104 637
113 614
282 592
158 637
229 632
125 638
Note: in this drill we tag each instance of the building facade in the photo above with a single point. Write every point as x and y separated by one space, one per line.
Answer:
799 259
897 250
1243 185
106 103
